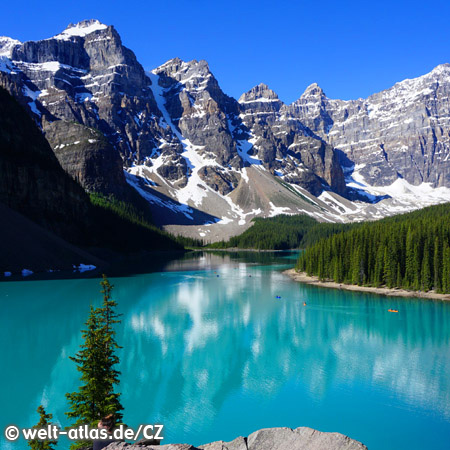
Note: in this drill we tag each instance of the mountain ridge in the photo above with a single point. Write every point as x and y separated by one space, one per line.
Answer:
193 151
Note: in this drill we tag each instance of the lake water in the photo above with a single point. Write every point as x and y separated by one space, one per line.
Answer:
211 353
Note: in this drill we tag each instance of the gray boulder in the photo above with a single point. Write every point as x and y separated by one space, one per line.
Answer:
302 438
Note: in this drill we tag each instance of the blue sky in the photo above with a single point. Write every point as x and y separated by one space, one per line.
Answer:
350 48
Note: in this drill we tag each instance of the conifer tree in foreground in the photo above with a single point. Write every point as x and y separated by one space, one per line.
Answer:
97 361
44 420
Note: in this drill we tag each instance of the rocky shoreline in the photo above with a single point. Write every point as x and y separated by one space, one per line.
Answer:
302 438
302 277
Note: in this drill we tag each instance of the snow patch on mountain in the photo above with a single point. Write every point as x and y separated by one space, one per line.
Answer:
277 210
5 65
134 178
336 204
260 100
244 146
48 66
196 189
403 195
81 29
6 45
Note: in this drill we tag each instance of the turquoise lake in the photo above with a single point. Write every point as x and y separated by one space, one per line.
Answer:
211 353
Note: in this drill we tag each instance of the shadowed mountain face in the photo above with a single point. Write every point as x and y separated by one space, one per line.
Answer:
32 181
34 186
45 211
88 156
188 147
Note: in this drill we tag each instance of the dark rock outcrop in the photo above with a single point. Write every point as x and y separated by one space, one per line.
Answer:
219 179
88 157
53 207
26 245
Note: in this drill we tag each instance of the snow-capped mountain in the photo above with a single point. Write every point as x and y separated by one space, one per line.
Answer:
208 163
402 132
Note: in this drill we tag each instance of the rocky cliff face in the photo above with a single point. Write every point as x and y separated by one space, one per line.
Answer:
401 132
199 109
201 157
88 157
86 75
287 146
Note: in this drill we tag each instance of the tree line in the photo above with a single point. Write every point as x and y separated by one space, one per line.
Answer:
282 232
410 251
129 228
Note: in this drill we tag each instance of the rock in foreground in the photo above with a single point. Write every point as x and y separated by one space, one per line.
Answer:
302 438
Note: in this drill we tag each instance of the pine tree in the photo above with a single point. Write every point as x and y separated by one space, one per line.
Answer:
96 361
446 268
437 265
111 318
416 267
356 266
426 274
409 263
399 276
44 421
426 268
378 272
388 274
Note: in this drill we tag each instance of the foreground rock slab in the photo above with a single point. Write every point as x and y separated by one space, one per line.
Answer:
301 438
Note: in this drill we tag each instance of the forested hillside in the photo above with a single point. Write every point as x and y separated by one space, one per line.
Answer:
410 251
282 232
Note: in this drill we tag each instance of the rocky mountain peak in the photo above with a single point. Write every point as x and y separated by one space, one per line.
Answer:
442 68
81 29
173 65
261 92
442 71
313 90
181 71
410 90
6 45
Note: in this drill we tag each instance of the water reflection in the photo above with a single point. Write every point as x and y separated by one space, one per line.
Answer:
213 338
213 353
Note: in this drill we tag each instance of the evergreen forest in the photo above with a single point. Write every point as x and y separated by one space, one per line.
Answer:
410 251
282 232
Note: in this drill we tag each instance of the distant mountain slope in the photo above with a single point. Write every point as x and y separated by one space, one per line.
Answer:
207 163
402 132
